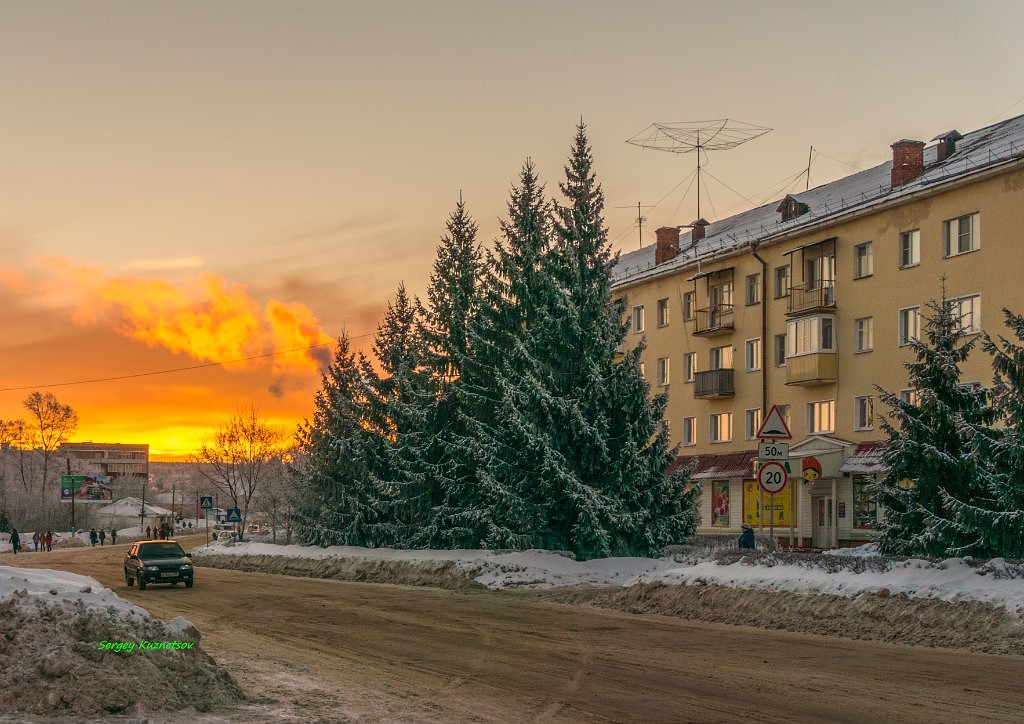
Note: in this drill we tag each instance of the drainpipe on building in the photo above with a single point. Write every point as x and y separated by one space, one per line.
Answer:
764 359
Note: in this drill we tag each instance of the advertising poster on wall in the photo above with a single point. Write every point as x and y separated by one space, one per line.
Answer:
779 509
85 489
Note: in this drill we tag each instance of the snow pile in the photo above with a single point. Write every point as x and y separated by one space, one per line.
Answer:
69 646
846 574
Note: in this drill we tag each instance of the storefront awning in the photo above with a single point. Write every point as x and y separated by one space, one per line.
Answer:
867 459
719 467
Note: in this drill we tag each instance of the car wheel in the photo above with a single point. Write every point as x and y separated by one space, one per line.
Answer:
142 582
188 583
128 579
174 584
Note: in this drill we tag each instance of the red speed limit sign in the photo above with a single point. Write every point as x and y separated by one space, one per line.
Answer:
771 476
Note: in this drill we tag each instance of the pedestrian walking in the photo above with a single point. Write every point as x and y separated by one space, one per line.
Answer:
93 537
103 536
15 540
113 537
149 532
747 537
49 541
35 541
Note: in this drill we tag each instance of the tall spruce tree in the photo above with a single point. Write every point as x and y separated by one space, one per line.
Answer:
929 442
993 520
336 504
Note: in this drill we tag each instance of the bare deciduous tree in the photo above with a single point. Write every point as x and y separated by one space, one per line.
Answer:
50 423
241 458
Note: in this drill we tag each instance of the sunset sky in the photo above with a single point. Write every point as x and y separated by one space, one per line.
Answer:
197 182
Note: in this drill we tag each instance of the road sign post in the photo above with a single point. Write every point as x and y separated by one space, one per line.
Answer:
772 474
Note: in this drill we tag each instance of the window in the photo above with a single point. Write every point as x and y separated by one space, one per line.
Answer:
721 427
663 427
819 272
863 334
752 354
781 281
910 248
780 350
784 411
752 423
689 366
720 503
910 324
863 412
689 431
863 265
910 397
962 235
865 507
821 416
688 305
663 371
638 319
663 312
809 335
753 289
721 358
968 310
643 371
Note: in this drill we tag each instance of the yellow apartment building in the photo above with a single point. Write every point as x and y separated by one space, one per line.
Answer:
808 303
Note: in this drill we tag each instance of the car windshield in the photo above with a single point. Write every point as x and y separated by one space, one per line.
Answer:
160 550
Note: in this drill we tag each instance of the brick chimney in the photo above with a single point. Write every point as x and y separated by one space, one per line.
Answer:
667 245
907 161
697 229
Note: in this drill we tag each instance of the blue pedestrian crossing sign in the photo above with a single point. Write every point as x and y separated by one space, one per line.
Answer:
234 515
205 502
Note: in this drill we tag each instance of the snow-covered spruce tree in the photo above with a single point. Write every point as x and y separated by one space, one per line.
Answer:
487 502
928 444
335 504
452 301
397 421
994 519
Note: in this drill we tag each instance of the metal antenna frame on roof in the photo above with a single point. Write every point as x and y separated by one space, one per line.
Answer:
697 136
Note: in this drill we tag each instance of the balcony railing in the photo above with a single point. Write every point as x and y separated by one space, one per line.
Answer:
713 383
812 369
804 299
716 319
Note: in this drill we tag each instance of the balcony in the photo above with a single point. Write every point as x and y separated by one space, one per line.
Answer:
804 299
713 383
819 368
714 320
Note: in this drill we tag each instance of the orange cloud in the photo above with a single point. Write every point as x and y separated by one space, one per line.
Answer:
207 317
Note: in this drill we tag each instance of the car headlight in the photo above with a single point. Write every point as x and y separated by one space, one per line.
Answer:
186 567
152 568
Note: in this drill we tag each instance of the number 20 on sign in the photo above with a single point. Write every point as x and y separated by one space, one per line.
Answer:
771 476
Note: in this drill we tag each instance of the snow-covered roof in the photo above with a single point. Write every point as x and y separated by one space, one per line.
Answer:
977 151
867 459
720 467
131 507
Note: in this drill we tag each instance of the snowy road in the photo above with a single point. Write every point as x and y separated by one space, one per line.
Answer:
316 650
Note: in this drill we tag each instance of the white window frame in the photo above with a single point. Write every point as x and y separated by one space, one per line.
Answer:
752 354
689 366
663 312
863 260
689 431
972 312
967 227
807 335
664 371
753 289
781 281
780 350
643 371
911 397
784 411
910 248
908 325
863 412
863 334
821 417
638 319
720 358
751 422
689 305
721 427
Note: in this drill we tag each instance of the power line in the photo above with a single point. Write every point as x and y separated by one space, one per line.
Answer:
177 369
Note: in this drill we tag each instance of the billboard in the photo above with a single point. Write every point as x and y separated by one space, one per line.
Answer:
85 489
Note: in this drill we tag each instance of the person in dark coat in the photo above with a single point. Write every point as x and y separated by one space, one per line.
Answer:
747 537
93 537
103 536
149 532
15 540
113 537
49 541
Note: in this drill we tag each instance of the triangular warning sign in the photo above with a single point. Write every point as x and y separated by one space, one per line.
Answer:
774 426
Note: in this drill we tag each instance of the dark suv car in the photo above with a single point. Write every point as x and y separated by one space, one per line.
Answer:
157 561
